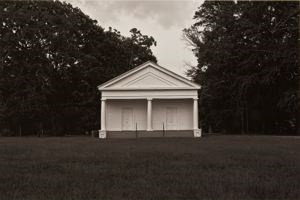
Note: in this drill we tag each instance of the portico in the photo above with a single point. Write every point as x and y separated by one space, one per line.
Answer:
149 99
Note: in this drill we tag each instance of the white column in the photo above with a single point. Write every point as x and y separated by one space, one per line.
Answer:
149 114
195 115
103 114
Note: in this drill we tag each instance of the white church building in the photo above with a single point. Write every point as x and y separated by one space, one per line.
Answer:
149 101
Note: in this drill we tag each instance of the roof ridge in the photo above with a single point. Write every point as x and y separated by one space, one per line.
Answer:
143 65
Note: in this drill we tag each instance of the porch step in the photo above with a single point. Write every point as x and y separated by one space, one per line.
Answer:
149 134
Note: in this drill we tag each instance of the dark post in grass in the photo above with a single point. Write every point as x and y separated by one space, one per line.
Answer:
163 129
136 134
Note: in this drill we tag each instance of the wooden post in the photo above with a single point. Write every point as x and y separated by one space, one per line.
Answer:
163 129
136 134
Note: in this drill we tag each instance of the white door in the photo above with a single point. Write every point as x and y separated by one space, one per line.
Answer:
171 118
127 119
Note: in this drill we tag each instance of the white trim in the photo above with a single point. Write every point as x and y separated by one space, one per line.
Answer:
103 115
153 97
195 113
142 66
152 88
149 114
125 74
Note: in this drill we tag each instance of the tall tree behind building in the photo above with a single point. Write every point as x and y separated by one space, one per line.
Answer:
248 65
52 57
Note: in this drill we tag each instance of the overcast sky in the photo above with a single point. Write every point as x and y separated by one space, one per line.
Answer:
164 20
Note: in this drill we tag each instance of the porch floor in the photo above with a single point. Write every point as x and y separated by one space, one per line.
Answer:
149 134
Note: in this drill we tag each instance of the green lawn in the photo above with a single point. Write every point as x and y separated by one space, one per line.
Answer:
215 167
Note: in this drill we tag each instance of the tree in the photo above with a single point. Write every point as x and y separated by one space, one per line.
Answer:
52 58
247 65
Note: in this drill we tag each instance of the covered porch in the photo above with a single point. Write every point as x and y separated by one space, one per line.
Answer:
149 117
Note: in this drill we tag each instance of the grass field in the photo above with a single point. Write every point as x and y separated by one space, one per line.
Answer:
215 167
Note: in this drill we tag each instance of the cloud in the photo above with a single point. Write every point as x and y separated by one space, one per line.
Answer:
165 13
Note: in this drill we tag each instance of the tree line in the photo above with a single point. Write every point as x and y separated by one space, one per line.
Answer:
52 57
248 66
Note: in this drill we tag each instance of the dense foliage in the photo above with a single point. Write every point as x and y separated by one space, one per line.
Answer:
52 57
248 65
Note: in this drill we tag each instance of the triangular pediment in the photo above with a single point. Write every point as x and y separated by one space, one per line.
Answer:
148 76
149 79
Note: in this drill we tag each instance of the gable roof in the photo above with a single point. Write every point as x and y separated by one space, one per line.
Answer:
186 84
